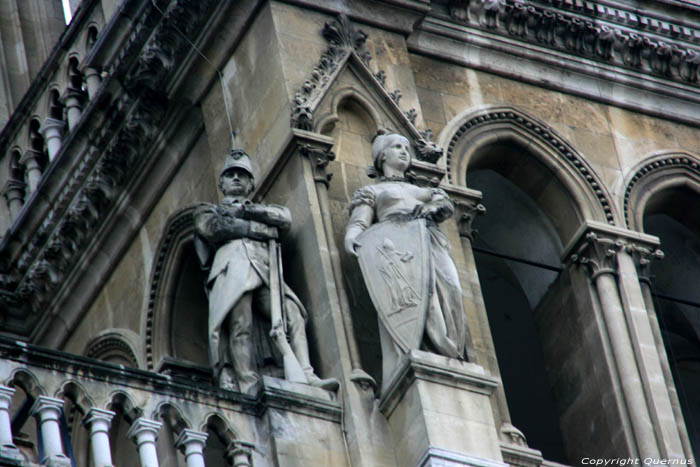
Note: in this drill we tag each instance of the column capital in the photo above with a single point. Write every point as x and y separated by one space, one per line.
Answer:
72 97
318 149
51 124
31 155
596 246
239 451
143 426
425 174
13 190
188 436
6 393
467 208
643 255
98 415
46 407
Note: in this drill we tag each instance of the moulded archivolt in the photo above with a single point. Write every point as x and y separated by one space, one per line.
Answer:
473 130
658 172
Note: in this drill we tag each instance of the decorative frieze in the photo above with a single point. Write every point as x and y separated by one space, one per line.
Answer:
611 35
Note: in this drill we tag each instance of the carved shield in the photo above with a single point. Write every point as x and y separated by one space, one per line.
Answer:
395 263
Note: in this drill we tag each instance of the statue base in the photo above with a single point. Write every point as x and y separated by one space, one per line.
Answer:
439 412
303 423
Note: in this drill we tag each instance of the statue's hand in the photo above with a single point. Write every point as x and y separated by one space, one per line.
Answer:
260 231
352 245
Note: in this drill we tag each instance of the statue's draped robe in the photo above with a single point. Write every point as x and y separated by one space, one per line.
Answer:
395 201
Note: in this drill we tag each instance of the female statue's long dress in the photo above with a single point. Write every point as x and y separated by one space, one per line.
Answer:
399 202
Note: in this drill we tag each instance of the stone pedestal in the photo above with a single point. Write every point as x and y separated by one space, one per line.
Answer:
304 423
439 412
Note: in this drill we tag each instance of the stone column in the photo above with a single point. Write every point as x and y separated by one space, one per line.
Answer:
240 454
144 433
52 130
643 256
191 443
598 249
92 80
48 410
98 421
7 448
319 153
14 194
73 100
30 160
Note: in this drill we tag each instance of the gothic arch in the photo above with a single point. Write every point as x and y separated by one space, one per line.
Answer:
340 98
77 394
469 133
174 252
113 345
661 171
172 416
27 381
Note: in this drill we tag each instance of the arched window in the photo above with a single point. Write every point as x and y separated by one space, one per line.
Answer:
663 199
538 192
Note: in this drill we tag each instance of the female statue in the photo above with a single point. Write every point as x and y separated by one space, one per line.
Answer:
416 308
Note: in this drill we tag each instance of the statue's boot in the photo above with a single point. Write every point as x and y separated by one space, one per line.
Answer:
329 384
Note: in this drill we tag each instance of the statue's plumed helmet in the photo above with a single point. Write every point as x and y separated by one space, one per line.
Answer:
238 159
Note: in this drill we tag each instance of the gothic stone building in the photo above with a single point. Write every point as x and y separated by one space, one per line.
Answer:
564 131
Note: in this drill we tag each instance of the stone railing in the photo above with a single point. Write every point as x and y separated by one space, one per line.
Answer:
77 402
50 111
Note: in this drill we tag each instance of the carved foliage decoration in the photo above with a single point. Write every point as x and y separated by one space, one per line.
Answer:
130 124
343 41
591 30
542 133
598 253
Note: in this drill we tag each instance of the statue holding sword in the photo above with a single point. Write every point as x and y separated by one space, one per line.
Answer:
237 244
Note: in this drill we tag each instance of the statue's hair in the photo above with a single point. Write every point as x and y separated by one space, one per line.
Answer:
380 142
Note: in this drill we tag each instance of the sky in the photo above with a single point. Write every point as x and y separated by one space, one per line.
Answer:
66 11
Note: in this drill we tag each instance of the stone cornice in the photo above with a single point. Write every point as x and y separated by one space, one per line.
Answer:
612 35
128 126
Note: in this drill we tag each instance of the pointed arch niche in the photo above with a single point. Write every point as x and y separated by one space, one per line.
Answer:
537 191
662 198
176 318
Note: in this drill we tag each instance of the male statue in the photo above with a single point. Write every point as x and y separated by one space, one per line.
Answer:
244 281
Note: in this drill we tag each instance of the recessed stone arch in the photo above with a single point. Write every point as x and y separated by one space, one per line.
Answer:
172 416
114 346
171 294
470 133
27 381
76 393
659 172
662 198
343 97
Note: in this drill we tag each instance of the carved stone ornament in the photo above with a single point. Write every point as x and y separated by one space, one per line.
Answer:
320 157
344 40
614 35
466 212
116 152
643 256
598 254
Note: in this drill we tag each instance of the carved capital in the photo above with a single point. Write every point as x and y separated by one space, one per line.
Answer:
240 453
643 255
424 174
320 157
597 245
468 206
598 253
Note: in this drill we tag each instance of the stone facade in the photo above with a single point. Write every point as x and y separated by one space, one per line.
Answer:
564 133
